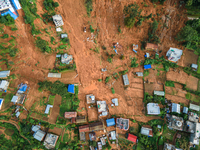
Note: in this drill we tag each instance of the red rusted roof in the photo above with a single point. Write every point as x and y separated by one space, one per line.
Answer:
84 128
73 120
70 114
151 46
132 138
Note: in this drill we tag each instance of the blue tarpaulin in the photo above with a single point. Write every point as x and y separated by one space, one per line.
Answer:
23 87
110 122
147 66
10 13
135 51
71 88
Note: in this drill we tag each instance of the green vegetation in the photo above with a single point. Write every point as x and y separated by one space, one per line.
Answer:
123 72
51 99
153 38
107 79
169 83
119 29
50 5
183 141
109 59
161 1
5 36
89 7
7 20
103 47
91 29
113 90
43 45
134 63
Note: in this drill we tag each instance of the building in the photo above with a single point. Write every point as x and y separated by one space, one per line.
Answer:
125 79
48 108
81 119
1 102
18 98
39 135
92 136
131 137
145 130
113 135
194 107
159 93
151 46
64 35
110 122
135 46
102 108
194 138
69 115
174 54
185 110
71 88
194 117
122 123
147 55
4 85
22 88
54 75
115 101
175 123
96 126
58 21
90 99
168 146
4 74
147 66
99 145
189 127
9 7
17 114
103 141
139 74
194 67
50 140
35 128
176 108
84 128
153 109
82 136
66 59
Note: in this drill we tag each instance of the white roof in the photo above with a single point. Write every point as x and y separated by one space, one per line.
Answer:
159 93
101 105
14 99
185 110
125 78
17 114
194 107
174 54
58 29
176 108
4 74
115 101
57 19
113 135
145 131
195 66
35 128
140 74
39 135
4 84
153 109
54 75
48 108
1 102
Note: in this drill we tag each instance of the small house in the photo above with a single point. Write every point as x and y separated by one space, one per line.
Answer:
69 115
102 108
50 140
175 123
81 119
185 110
64 35
99 145
194 138
159 93
18 98
90 99
147 66
66 59
39 135
58 21
115 101
17 114
1 102
131 137
14 99
96 126
122 123
113 135
153 109
54 75
125 79
194 117
174 54
168 146
84 128
139 74
48 108
147 131
151 46
4 85
176 108
194 107
194 67
146 55
135 46
71 88
189 127
110 122
103 141
92 136
4 74
82 136
22 88
35 128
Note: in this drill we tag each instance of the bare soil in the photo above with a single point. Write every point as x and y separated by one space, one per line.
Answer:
177 99
188 58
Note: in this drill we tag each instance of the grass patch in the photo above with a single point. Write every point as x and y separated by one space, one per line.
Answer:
188 96
51 100
66 138
169 83
9 132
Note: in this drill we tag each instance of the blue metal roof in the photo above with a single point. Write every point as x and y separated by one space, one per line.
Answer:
147 66
110 122
23 87
71 88
10 13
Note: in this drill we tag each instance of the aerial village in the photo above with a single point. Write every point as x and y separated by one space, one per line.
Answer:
168 109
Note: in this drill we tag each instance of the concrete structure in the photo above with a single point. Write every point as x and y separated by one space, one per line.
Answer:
159 93
139 74
82 136
189 127
4 74
102 108
194 117
175 123
48 108
185 110
1 102
115 101
66 59
70 115
176 108
90 99
4 85
151 46
194 138
146 131
194 107
57 19
125 79
122 123
168 146
174 54
153 109
194 67
50 140
54 75
39 135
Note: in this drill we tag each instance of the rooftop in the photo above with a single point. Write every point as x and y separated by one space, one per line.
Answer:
57 19
174 54
140 74
176 108
189 127
194 107
90 99
70 114
84 128
151 46
194 117
50 140
115 101
101 105
39 135
1 102
54 75
159 93
48 108
125 79
71 88
82 136
66 59
153 109
4 74
96 126
92 136
175 122
147 131
132 138
185 110
168 146
4 85
122 123
147 66
110 122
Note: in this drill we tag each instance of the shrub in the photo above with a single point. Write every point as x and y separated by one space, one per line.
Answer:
133 63
50 5
91 29
109 59
107 79
43 45
14 29
113 90
122 57
129 22
65 41
5 36
169 83
119 29
89 7
7 20
103 47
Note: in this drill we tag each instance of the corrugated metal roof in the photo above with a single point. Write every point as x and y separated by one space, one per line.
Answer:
84 128
146 131
115 101
132 138
35 128
3 84
194 107
14 99
195 66
4 74
159 93
185 110
113 135
70 114
153 109
140 74
176 108
39 135
110 122
54 75
48 108
125 78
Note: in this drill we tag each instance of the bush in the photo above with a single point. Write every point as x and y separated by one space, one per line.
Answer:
14 29
109 59
169 83
5 36
129 22
91 29
107 79
43 45
7 20
50 5
103 47
113 90
133 63
89 7
119 29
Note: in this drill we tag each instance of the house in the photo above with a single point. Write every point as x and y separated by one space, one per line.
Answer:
92 148
176 108
139 74
92 136
147 66
35 128
145 130
175 123
122 123
58 21
54 75
125 79
174 54
110 122
81 119
151 46
194 138
82 136
159 93
50 140
14 99
4 74
131 137
102 108
48 108
189 127
4 85
153 109
185 110
9 7
64 35
103 141
194 117
90 99
113 135
18 98
115 101
17 114
168 146
69 115
39 135
84 128
99 145
194 67
22 88
66 59
71 88
96 126
1 102
194 107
